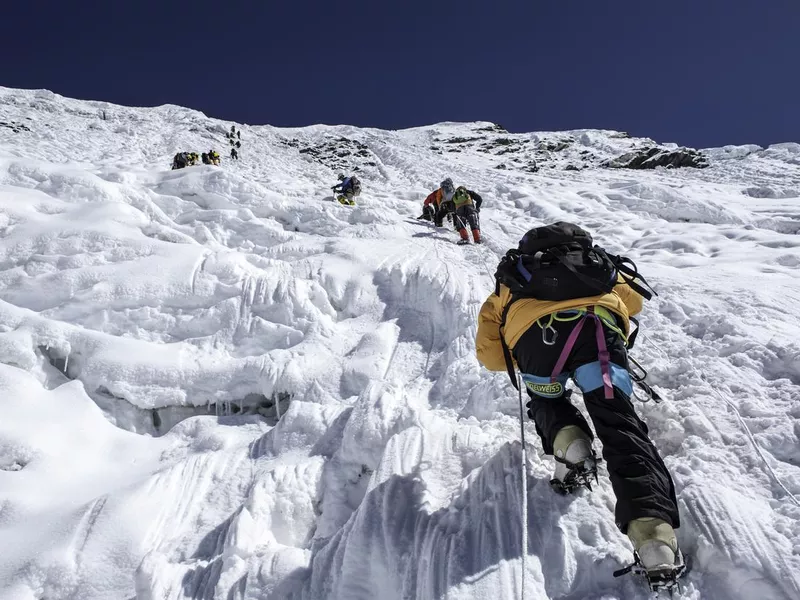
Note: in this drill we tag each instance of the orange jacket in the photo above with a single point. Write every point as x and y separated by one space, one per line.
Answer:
434 198
524 313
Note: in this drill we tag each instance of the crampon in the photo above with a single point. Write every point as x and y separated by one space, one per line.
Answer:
579 475
659 579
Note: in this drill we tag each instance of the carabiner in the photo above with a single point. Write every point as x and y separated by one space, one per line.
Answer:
554 336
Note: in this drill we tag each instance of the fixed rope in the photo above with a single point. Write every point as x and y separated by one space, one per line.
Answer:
524 480
743 424
752 439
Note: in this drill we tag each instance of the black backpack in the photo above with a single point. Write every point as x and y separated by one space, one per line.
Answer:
560 262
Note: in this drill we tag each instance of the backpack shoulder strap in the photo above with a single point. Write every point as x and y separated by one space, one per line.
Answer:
506 350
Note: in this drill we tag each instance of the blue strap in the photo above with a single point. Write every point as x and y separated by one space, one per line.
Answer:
521 268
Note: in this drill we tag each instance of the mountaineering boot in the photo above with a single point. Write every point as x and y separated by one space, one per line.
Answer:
464 237
476 235
576 463
656 553
654 542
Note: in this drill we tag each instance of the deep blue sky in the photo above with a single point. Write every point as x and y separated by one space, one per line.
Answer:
697 72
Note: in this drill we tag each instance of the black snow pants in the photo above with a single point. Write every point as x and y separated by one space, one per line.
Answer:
466 215
642 485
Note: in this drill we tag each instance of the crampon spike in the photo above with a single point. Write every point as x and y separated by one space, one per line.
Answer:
579 476
658 579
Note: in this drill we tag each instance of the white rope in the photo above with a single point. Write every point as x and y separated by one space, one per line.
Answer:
741 422
524 489
753 441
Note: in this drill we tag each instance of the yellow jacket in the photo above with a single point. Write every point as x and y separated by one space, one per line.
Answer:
622 301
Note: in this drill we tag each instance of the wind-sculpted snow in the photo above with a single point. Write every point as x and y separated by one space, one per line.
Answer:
219 383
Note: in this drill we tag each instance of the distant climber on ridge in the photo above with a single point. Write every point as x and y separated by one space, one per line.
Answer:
234 154
561 309
347 190
213 157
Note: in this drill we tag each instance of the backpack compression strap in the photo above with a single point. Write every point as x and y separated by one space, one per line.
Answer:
629 275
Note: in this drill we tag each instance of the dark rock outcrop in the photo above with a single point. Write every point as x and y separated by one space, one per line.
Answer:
650 158
15 127
337 154
493 128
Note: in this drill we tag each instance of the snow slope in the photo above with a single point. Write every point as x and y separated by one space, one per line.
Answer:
218 383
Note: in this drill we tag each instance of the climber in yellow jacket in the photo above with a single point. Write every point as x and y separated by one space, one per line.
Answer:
623 302
561 310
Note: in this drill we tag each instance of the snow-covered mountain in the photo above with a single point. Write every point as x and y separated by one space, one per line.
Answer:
218 383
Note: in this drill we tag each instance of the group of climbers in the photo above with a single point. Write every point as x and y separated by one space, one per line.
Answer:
211 158
235 141
347 189
458 204
190 159
184 159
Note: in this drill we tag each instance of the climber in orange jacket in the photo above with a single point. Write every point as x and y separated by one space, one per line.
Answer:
433 208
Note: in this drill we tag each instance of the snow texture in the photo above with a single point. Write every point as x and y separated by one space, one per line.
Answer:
216 382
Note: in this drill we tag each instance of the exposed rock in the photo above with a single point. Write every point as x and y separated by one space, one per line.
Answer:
507 150
650 158
494 128
462 140
15 127
556 145
337 154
